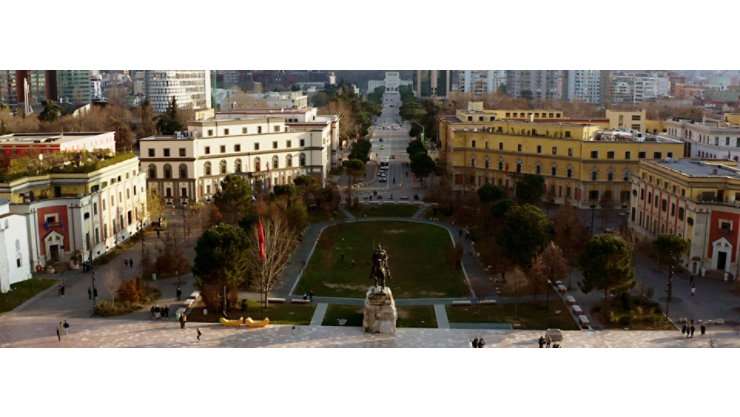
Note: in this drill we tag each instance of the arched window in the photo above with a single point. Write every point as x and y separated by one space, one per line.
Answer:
487 161
183 171
238 165
222 166
152 171
257 164
302 159
168 171
289 160
275 162
207 168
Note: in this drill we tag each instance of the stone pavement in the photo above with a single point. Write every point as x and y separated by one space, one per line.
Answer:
92 332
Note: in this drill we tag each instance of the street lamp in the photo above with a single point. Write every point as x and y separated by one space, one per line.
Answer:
92 279
422 129
547 303
593 213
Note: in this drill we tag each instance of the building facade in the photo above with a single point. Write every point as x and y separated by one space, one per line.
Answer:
264 150
627 120
581 162
77 215
74 86
15 265
191 89
708 139
697 200
537 84
432 83
585 85
630 87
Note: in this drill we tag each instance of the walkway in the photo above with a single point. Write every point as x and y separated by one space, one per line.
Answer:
88 332
318 314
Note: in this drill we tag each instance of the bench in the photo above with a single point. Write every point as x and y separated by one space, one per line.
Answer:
570 300
577 309
461 303
275 300
584 320
562 288
487 302
194 295
300 301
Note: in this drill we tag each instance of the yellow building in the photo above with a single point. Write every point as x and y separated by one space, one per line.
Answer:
581 162
697 200
634 120
476 113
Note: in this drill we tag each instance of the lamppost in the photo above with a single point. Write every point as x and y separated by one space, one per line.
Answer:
593 213
547 303
422 130
92 279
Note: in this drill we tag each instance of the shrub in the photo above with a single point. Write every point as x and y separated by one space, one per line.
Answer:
111 309
624 298
625 320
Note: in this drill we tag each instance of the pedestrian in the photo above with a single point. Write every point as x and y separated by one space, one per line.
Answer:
542 342
692 331
305 296
703 329
59 289
475 342
342 256
63 290
199 333
183 319
89 293
59 335
179 293
691 280
683 329
59 327
693 291
152 311
95 293
310 296
481 342
125 262
548 340
131 263
353 263
66 328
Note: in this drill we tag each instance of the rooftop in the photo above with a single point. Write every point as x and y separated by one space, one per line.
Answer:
701 168
47 138
62 163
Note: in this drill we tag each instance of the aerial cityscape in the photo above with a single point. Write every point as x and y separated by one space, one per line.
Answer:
336 208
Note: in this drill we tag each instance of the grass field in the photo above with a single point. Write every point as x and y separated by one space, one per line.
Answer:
530 315
410 316
22 291
418 259
384 210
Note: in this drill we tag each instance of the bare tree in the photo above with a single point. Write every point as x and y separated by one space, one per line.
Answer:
279 240
110 282
549 265
517 284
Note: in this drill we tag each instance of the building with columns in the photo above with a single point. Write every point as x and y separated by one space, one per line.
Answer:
15 265
698 200
82 211
582 161
267 151
708 138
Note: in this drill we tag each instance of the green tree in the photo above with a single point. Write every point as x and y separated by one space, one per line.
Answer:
415 146
606 263
360 149
501 207
51 112
297 216
422 165
670 249
530 188
221 260
525 232
287 191
168 123
234 199
489 193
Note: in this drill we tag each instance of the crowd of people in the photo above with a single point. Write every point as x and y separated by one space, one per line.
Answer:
160 312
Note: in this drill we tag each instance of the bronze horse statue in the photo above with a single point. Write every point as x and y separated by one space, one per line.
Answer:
380 271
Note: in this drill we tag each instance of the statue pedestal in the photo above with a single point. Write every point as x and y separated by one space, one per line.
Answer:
380 311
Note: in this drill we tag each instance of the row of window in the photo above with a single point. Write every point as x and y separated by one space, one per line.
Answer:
222 148
245 130
554 170
223 166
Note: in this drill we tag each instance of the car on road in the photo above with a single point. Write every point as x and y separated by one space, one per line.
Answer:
393 156
382 147
383 179
380 139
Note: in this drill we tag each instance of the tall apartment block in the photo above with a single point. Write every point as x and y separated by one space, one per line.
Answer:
190 88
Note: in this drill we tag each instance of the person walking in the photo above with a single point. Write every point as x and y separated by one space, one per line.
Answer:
95 293
692 329
59 334
59 327
683 329
125 262
475 342
66 328
179 293
353 263
542 342
481 342
691 280
199 333
693 290
89 293
703 329
63 290
131 263
310 296
59 289
548 340
183 319
342 257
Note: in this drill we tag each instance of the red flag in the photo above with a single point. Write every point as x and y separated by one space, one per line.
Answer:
261 234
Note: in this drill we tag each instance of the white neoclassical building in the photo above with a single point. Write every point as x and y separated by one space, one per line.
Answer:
266 150
15 263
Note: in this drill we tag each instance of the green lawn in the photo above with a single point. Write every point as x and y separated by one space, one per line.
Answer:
409 316
418 259
294 314
530 315
22 291
384 210
320 216
642 314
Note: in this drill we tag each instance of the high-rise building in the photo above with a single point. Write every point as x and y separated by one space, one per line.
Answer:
432 83
537 84
13 90
480 82
584 85
190 88
631 87
74 86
